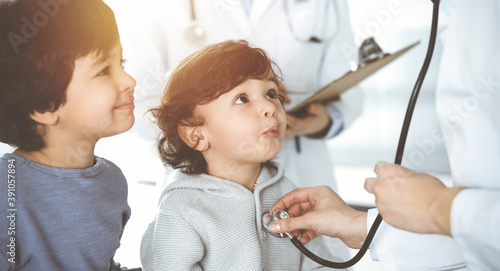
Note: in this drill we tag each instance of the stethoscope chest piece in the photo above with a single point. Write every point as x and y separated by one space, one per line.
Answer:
267 219
195 34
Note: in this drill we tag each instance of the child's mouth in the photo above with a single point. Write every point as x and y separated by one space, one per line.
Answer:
129 105
273 131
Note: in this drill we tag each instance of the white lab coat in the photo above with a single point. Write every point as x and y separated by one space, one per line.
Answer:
153 38
468 106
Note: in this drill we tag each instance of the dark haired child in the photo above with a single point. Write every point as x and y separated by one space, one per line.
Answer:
62 88
222 121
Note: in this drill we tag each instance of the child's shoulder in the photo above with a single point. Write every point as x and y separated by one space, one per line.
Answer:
28 169
180 188
11 158
107 164
14 165
197 190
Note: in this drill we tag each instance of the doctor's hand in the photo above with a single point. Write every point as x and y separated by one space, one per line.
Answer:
412 201
325 214
316 121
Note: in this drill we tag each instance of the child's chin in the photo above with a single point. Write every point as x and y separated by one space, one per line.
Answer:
126 125
272 155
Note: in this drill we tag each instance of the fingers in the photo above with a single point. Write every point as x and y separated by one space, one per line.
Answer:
305 196
379 166
291 120
307 236
295 202
293 127
316 109
308 125
298 209
369 184
386 170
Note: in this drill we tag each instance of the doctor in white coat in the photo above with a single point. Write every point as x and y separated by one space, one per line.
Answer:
468 106
458 226
311 41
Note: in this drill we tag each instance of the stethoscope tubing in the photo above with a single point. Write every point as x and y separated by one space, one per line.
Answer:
313 39
399 153
193 12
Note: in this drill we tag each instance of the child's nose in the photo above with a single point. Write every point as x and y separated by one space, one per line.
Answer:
268 109
127 82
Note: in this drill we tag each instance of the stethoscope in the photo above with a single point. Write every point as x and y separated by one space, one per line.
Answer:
314 39
196 34
277 214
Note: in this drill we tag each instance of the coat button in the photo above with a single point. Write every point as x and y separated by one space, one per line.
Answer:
263 234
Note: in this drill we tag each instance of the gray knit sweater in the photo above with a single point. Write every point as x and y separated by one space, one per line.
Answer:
208 223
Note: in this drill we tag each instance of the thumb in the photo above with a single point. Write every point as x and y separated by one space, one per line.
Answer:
287 225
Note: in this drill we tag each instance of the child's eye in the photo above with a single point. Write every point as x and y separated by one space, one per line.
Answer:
104 72
281 98
272 94
122 63
242 99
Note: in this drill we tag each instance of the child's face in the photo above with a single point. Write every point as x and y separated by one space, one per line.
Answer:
99 98
247 124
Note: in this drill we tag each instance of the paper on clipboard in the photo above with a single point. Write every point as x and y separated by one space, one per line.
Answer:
350 79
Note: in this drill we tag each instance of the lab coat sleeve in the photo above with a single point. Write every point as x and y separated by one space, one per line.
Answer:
337 121
343 112
396 249
170 243
475 225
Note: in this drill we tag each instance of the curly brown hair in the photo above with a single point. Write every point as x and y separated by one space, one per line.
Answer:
36 69
199 79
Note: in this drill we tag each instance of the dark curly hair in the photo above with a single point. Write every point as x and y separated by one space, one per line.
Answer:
199 79
39 43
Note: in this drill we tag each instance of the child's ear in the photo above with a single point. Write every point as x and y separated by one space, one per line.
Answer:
47 118
193 137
